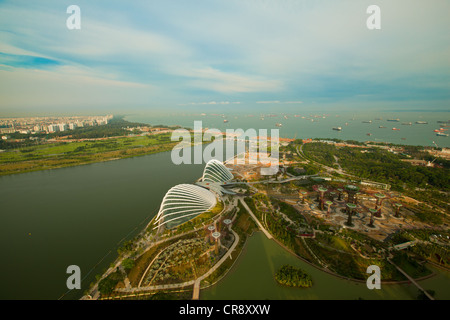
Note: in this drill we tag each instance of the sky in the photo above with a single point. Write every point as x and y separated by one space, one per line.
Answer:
222 55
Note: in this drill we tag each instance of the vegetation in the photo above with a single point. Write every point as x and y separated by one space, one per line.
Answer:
410 265
128 264
293 277
427 184
380 165
63 154
106 286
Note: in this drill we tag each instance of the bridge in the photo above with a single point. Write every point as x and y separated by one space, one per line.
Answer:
411 279
404 245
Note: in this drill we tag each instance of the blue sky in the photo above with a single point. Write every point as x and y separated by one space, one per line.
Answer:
222 55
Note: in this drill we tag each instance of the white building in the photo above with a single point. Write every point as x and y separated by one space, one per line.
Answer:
53 128
63 127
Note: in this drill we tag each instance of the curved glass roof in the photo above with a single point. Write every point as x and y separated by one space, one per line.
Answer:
182 203
215 171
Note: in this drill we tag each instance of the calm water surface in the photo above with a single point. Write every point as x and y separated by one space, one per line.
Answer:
80 215
55 218
252 277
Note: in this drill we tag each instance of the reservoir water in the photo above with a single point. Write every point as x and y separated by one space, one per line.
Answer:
80 215
77 216
252 277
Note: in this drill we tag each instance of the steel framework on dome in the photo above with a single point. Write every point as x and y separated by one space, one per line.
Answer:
182 202
215 171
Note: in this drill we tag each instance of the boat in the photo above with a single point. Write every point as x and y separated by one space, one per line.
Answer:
378 118
395 129
438 130
337 128
369 134
370 121
278 124
381 127
406 123
442 134
225 120
403 138
421 122
285 117
394 120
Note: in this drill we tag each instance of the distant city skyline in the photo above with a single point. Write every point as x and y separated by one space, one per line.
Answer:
226 56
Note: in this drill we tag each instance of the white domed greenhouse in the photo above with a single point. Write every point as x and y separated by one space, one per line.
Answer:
182 203
215 171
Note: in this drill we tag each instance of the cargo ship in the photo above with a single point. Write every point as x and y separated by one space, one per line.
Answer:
421 122
394 120
442 134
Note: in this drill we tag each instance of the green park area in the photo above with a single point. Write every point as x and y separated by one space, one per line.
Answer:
62 153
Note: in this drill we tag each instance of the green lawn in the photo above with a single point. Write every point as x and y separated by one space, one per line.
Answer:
61 154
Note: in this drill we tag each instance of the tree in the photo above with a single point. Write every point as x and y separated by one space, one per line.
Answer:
128 264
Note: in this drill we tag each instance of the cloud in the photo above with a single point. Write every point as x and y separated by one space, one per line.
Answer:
268 51
209 103
279 102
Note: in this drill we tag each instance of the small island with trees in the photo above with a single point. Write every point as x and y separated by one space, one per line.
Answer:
293 277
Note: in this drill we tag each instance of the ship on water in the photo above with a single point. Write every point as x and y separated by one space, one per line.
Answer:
278 124
406 123
337 128
369 121
225 120
381 127
421 122
442 134
394 120
395 129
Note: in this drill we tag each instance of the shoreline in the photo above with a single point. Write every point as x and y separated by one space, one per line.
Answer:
166 147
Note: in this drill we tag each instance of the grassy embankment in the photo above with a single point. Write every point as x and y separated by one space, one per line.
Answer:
64 154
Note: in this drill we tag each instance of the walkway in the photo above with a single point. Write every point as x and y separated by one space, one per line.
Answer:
268 235
196 282
411 279
196 292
